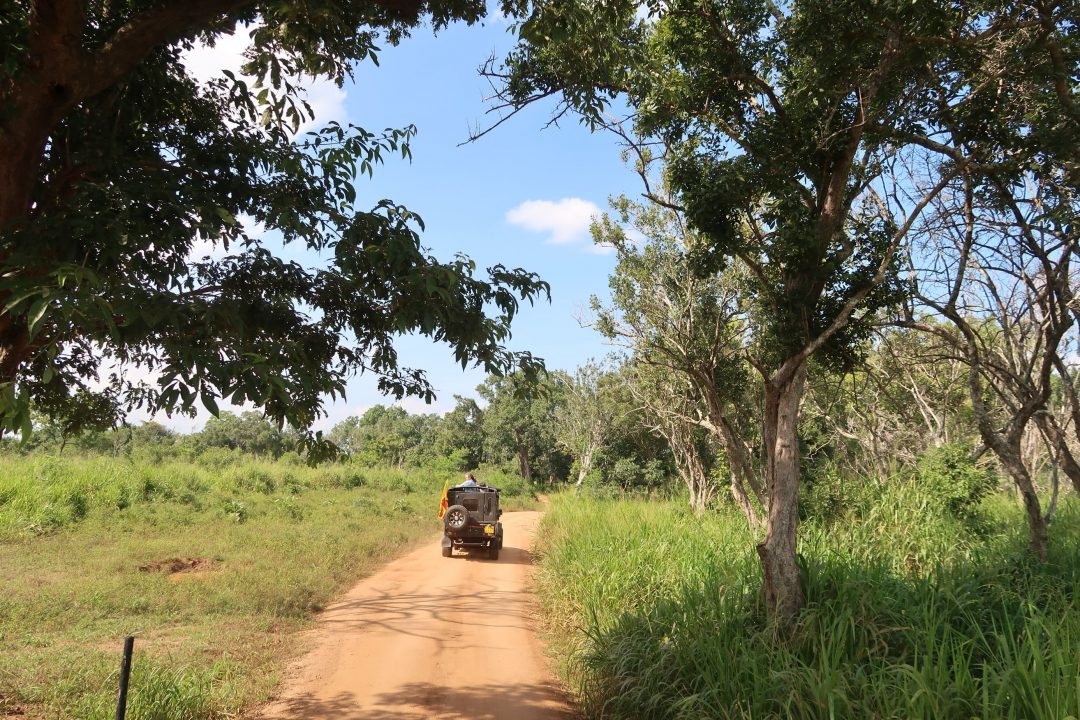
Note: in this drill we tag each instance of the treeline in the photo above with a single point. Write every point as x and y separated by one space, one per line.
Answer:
532 428
904 414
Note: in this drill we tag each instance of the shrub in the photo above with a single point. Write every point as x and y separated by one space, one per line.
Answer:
48 518
292 459
830 493
236 510
251 478
953 480
353 479
78 504
290 508
122 498
151 488
219 458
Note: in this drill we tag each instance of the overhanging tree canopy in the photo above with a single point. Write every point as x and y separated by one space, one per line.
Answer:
114 163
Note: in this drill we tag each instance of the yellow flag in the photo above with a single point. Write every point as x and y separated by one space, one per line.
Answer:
445 502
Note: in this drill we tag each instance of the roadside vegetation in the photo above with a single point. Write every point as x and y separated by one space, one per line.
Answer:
213 562
912 611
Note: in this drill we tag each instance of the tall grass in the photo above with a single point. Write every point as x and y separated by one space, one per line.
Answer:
911 612
81 540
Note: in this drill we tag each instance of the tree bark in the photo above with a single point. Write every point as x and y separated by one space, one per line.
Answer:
523 457
743 501
737 458
584 465
782 586
1037 522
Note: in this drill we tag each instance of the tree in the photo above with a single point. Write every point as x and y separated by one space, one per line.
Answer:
114 163
385 436
248 432
668 412
1002 278
909 396
780 124
677 323
461 434
633 456
586 418
519 423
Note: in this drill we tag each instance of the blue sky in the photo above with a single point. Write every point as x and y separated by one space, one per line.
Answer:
520 196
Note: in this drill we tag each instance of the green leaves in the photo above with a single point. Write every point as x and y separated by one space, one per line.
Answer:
143 268
210 404
36 315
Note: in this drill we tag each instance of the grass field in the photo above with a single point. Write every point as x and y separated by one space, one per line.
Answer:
912 613
213 566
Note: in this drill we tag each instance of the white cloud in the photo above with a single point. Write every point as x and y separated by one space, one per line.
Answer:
208 249
566 221
327 101
207 63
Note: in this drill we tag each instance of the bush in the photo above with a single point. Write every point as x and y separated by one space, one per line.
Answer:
353 479
293 459
78 504
219 458
509 483
290 508
954 481
829 494
630 475
236 510
250 478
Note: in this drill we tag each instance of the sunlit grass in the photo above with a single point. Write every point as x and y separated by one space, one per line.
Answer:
911 613
274 542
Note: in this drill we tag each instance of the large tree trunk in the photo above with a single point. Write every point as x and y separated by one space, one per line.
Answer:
23 136
22 147
523 457
1037 522
782 586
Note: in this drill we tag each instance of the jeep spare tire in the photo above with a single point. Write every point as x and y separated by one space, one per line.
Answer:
456 516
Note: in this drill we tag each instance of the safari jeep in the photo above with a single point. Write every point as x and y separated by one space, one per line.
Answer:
471 520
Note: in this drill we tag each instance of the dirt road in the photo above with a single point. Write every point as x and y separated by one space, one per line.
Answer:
430 637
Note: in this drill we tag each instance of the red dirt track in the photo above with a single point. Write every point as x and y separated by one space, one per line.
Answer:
430 637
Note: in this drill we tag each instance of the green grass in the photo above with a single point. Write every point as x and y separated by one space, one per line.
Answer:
278 540
912 613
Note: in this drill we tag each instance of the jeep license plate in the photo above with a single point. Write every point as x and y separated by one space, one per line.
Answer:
489 529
